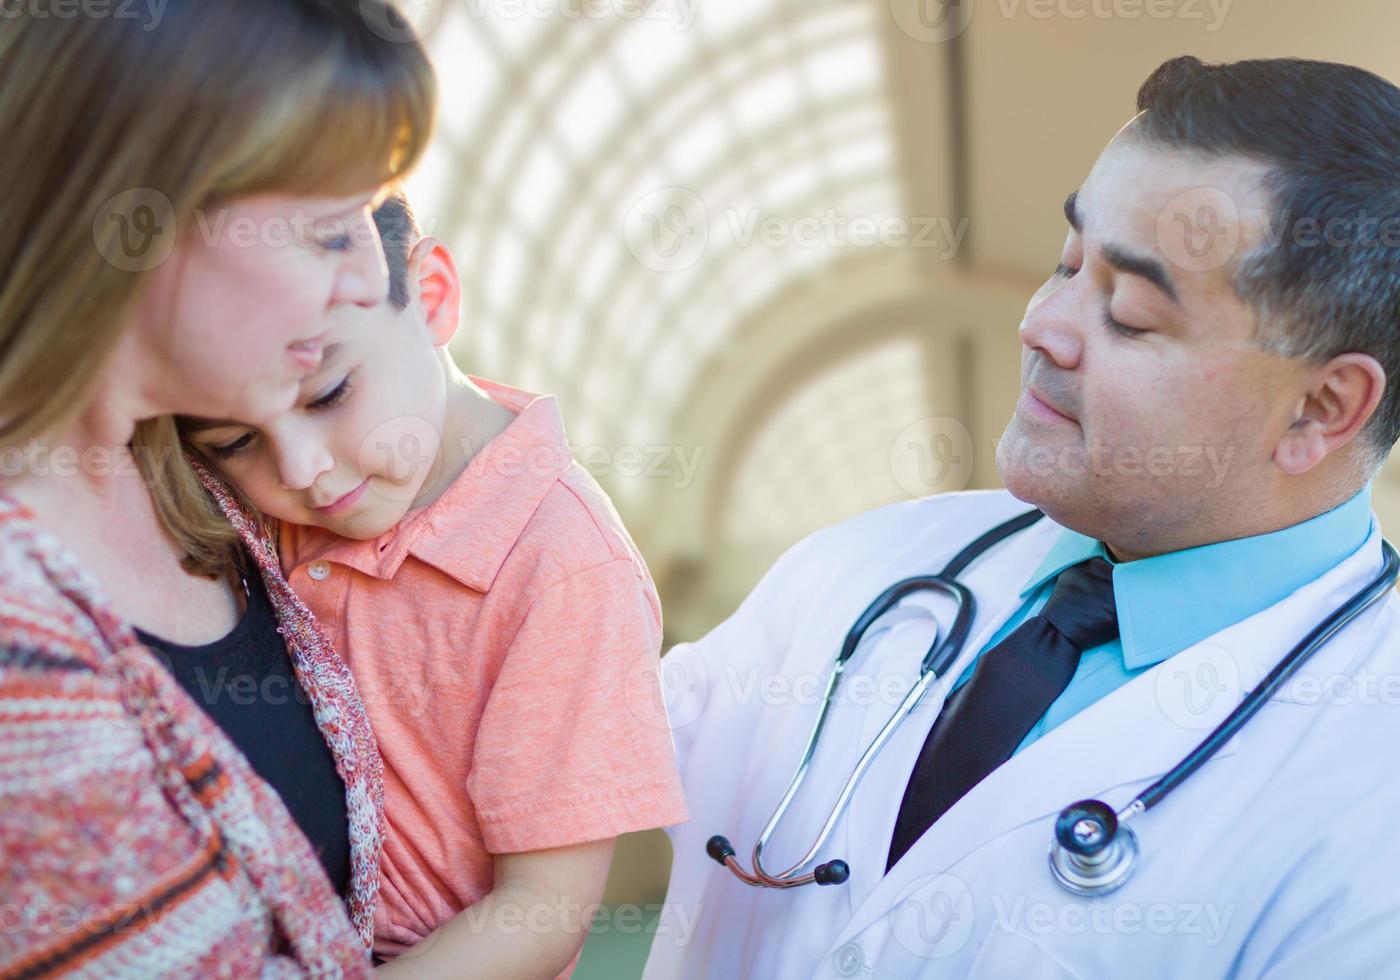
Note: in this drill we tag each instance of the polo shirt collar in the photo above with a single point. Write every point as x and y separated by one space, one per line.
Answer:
1168 602
468 531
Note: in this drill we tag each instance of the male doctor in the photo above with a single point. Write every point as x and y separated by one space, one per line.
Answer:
1204 406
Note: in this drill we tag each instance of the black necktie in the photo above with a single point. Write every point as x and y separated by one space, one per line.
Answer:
1011 686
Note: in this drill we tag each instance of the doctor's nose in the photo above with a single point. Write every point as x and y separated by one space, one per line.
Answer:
300 461
1054 326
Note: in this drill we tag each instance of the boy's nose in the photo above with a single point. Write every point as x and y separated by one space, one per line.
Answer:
300 465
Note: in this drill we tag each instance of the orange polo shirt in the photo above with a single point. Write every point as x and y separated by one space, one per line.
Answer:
506 641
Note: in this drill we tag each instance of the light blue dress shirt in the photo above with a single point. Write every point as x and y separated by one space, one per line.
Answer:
1169 602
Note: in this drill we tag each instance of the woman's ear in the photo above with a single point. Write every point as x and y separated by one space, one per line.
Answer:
433 270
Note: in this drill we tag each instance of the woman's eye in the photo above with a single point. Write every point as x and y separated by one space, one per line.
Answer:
233 448
332 398
339 243
1063 270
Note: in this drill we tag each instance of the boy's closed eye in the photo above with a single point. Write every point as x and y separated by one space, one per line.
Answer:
228 449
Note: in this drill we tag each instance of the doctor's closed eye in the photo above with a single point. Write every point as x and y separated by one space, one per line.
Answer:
330 400
1063 271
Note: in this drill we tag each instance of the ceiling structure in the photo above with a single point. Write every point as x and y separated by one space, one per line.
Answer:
753 245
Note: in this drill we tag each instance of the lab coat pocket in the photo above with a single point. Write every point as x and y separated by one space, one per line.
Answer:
1013 954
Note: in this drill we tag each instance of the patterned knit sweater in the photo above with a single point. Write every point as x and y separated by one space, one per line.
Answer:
135 839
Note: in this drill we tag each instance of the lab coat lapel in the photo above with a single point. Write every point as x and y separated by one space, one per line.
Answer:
995 581
1115 747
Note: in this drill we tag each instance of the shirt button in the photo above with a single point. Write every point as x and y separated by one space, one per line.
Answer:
849 960
319 570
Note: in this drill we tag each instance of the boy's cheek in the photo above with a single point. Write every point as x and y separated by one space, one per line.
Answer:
266 494
283 507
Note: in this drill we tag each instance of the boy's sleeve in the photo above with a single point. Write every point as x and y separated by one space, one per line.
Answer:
574 743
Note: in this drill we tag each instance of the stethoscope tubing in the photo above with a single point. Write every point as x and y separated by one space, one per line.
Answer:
1283 670
941 655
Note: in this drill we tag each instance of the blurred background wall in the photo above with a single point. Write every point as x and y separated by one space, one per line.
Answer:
771 255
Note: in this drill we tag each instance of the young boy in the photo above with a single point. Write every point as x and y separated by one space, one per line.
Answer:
499 621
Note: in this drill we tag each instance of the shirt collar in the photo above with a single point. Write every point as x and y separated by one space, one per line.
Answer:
468 531
1168 602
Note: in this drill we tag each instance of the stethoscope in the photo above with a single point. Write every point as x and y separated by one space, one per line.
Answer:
1094 851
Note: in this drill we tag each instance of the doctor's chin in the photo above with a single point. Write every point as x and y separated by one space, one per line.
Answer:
1123 702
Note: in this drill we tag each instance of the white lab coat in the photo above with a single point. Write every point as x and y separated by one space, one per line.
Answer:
1279 858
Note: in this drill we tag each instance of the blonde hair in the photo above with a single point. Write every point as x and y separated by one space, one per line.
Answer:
219 100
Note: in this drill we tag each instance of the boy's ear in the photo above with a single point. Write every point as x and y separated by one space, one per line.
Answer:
432 269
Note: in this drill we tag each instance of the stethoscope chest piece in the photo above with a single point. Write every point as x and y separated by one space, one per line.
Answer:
1092 853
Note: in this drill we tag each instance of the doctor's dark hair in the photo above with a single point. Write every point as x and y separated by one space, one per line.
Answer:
1329 135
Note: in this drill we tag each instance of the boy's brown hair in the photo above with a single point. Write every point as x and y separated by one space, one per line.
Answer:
398 229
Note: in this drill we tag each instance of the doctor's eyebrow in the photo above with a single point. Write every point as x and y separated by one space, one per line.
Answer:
1124 260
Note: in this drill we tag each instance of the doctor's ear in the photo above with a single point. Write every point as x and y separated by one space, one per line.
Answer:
433 273
1338 404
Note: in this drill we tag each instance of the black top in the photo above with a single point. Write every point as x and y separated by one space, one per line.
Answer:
246 684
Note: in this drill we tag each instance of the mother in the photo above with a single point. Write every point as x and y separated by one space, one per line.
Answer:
186 204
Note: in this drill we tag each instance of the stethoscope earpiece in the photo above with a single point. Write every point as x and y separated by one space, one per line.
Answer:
1093 853
719 848
832 873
